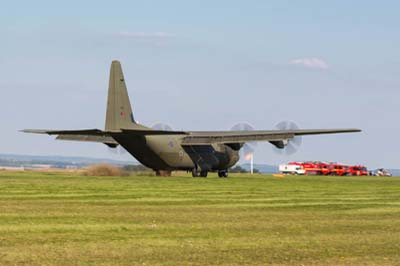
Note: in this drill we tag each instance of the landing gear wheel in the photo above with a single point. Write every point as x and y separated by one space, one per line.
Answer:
203 173
223 174
196 173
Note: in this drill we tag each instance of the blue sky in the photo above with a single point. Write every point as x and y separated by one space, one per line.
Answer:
205 65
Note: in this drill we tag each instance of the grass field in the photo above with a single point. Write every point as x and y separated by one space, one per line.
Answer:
66 219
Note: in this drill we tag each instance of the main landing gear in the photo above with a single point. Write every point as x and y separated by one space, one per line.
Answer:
200 173
197 173
223 173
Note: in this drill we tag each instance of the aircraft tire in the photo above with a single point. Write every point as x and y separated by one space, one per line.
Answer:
222 174
196 173
203 173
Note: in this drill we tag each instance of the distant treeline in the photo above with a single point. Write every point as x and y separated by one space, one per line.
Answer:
239 169
30 163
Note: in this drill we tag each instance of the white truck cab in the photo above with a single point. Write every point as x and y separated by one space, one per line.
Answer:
291 169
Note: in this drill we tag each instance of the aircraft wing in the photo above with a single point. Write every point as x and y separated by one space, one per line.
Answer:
204 138
190 138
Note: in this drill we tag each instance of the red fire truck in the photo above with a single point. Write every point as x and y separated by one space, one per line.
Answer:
313 168
321 168
358 170
338 169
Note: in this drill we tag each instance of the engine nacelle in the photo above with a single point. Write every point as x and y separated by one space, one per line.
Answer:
280 144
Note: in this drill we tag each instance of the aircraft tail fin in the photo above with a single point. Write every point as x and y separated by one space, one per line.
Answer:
119 111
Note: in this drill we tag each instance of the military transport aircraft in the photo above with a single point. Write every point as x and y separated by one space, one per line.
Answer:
164 150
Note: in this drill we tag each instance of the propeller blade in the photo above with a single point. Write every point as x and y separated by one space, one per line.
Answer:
292 145
248 147
161 126
290 149
113 150
117 150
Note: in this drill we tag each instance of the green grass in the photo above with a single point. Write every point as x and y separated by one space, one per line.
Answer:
61 219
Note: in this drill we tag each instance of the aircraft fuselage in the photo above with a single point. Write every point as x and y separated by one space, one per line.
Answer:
166 152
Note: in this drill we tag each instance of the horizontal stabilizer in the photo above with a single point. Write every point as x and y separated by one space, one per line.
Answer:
86 135
94 132
139 130
109 141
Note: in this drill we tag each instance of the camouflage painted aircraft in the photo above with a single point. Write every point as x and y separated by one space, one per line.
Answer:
164 150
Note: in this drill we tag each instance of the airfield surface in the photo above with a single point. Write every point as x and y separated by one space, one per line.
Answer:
67 219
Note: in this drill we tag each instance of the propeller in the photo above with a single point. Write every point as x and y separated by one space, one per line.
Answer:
290 146
117 150
161 126
248 148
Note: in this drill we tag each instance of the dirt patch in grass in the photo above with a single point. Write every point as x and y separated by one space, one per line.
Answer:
104 170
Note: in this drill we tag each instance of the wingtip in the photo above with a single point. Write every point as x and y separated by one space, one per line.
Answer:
352 130
33 131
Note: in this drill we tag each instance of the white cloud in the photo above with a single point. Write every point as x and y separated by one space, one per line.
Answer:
145 35
312 62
